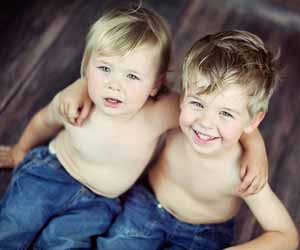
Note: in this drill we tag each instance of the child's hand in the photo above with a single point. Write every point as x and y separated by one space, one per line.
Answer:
253 172
11 156
74 103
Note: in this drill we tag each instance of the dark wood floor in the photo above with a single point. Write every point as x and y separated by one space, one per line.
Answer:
42 43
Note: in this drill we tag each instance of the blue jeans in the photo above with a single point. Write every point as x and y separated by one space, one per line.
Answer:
45 205
144 224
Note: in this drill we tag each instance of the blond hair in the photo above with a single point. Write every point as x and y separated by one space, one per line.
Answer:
232 57
121 30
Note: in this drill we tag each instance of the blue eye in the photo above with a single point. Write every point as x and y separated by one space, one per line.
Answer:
226 114
104 68
196 104
133 77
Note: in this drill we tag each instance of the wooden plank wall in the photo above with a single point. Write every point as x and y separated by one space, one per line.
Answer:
42 43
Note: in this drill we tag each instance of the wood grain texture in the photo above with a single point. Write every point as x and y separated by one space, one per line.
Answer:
42 43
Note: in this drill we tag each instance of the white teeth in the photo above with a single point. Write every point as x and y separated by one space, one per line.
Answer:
113 100
203 136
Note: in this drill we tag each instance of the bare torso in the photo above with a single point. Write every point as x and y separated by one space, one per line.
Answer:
108 156
193 190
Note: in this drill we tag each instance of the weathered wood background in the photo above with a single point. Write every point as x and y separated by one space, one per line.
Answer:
42 43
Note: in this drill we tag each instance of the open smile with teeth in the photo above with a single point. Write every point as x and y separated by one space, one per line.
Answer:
112 100
204 137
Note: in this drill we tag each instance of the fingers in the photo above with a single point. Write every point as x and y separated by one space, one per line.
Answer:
62 107
74 105
252 188
84 113
68 111
261 182
252 183
248 180
60 104
5 157
72 113
243 170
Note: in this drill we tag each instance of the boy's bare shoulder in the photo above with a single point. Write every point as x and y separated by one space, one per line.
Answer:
172 134
172 138
169 101
164 111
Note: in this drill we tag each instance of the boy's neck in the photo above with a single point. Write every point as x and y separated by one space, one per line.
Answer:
225 155
121 119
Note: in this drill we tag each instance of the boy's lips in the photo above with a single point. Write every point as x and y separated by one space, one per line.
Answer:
204 138
112 102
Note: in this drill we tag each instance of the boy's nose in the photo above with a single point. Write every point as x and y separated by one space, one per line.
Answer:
206 120
113 83
113 87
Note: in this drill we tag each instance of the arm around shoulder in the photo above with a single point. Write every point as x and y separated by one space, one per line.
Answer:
280 231
74 103
254 163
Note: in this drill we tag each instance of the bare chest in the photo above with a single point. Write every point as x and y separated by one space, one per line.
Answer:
103 143
200 180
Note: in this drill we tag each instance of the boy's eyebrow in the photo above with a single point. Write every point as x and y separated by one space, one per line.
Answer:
231 110
224 108
100 60
193 96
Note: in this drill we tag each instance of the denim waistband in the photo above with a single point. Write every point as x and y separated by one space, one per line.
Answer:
141 193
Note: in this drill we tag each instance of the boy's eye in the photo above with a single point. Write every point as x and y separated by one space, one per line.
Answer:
226 114
133 77
197 104
104 68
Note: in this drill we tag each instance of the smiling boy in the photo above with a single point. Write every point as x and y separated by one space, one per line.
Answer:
191 199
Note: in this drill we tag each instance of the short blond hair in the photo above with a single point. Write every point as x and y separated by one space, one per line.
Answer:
232 57
123 29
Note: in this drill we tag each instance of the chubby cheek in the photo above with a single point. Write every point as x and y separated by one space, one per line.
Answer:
186 118
94 83
136 96
92 93
93 90
230 134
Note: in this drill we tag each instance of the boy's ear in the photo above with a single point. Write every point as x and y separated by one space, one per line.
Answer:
157 85
255 122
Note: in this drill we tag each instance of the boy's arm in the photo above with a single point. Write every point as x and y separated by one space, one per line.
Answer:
254 164
43 126
280 231
74 103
